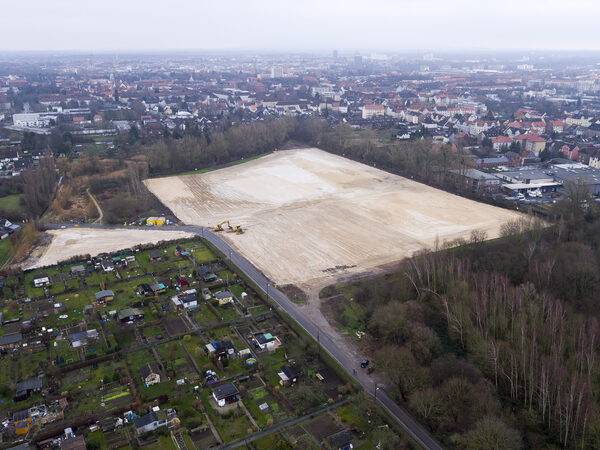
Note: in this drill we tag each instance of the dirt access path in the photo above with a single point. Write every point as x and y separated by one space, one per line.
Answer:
97 205
312 308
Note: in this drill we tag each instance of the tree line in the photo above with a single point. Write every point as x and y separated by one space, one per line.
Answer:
496 341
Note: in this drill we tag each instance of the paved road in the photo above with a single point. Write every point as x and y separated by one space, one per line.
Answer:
414 429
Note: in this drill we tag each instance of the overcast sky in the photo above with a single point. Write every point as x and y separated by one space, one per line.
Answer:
299 25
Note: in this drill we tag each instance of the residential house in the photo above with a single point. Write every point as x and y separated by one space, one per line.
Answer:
180 251
531 142
538 127
181 281
288 375
535 144
27 387
266 342
220 349
186 300
149 422
49 308
224 297
594 161
501 142
155 256
206 274
107 265
224 394
578 119
130 315
41 280
340 440
77 271
370 111
73 443
477 180
570 153
104 297
150 374
557 126
10 341
22 422
150 289
82 338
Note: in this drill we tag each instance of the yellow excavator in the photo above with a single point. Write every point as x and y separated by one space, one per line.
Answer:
237 229
219 227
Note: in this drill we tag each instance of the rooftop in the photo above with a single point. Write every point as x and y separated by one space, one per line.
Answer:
224 391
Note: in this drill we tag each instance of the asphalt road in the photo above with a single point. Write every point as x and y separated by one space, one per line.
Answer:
410 426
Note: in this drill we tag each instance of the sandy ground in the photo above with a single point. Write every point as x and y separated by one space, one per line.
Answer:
81 241
311 216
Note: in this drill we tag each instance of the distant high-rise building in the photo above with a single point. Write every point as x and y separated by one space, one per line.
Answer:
335 54
276 72
358 60
525 67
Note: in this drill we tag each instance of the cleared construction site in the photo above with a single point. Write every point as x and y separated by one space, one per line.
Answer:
307 216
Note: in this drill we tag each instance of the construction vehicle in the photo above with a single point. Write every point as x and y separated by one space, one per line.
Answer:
219 227
237 229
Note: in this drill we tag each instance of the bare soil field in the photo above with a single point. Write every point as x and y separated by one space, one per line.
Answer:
82 241
311 216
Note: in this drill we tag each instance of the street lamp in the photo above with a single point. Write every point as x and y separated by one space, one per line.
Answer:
267 290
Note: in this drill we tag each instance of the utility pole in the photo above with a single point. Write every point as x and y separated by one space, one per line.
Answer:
319 342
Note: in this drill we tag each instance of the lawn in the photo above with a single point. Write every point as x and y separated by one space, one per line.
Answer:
97 437
230 428
203 254
117 395
164 443
156 390
210 169
258 309
4 251
11 202
137 360
171 351
204 316
227 313
236 290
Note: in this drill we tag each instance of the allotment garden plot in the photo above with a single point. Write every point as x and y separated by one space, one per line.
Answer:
310 215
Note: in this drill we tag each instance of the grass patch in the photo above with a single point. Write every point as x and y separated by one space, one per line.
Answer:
203 254
117 395
4 251
164 443
11 202
222 166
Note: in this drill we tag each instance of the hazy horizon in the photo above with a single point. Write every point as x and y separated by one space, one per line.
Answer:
311 26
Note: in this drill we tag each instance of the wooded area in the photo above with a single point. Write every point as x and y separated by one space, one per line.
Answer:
494 341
